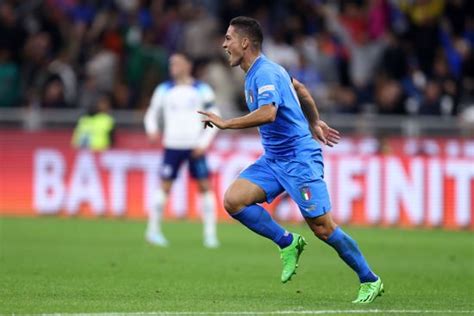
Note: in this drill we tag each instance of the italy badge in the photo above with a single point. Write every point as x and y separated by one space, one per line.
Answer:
305 193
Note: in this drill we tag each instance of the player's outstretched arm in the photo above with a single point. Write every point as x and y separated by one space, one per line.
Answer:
319 128
263 115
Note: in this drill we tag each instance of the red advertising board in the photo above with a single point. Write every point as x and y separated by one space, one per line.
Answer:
41 174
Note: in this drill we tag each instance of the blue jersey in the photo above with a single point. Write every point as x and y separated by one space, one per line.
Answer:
293 160
268 83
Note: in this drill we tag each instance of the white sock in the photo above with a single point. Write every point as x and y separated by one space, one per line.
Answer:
209 219
156 213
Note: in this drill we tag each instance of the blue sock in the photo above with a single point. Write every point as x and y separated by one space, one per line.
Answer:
348 250
257 219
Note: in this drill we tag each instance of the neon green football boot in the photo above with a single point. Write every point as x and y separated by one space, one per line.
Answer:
290 256
369 291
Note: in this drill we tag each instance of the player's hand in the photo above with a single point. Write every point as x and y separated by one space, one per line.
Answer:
198 152
153 138
325 134
210 120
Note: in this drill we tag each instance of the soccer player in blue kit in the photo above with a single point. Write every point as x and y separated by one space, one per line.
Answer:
288 122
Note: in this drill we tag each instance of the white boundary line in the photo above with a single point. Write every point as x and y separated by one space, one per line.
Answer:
289 312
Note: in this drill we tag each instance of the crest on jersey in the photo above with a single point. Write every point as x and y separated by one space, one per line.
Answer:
305 193
249 96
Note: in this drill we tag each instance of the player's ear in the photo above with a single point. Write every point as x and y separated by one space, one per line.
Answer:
245 42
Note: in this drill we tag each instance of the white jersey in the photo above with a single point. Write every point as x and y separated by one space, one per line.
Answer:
176 106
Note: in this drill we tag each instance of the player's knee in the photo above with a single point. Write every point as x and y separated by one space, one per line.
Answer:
322 226
203 188
232 203
166 186
203 185
322 231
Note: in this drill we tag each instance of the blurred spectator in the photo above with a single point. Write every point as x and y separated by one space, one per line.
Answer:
232 8
467 120
391 53
13 34
448 84
455 13
394 58
10 92
102 67
121 95
345 99
424 16
278 50
389 97
364 54
306 73
95 129
325 53
54 22
199 33
146 65
168 26
52 95
89 94
431 104
35 72
64 73
378 18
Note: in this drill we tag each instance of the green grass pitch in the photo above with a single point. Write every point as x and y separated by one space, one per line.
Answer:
69 265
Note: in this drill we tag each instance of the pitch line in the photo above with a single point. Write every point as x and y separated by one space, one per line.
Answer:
289 312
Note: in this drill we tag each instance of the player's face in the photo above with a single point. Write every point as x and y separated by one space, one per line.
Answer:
179 66
233 46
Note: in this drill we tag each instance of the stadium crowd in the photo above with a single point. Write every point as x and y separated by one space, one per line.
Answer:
356 56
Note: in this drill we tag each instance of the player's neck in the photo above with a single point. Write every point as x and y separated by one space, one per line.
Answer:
187 80
250 60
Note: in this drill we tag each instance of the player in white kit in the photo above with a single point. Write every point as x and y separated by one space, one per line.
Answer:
175 103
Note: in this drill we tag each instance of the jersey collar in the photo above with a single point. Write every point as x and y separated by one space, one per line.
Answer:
259 57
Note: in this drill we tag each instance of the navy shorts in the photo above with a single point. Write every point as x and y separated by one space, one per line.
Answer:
174 158
301 177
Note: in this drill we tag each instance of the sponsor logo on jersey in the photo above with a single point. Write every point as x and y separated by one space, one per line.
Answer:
268 87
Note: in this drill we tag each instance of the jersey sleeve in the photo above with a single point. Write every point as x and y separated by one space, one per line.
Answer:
151 118
267 88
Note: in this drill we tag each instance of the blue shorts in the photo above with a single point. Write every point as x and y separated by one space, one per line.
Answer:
174 158
301 177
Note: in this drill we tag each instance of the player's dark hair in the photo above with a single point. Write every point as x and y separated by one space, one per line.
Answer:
250 28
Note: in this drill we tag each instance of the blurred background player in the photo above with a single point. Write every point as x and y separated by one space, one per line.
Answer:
95 129
175 103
